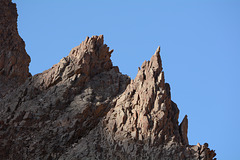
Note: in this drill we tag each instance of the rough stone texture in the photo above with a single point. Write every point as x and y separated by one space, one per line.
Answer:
84 108
14 60
143 124
53 109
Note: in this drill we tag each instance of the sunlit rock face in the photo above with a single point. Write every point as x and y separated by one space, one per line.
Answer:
143 124
84 108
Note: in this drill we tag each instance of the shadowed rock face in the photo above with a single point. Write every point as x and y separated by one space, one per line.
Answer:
14 60
84 108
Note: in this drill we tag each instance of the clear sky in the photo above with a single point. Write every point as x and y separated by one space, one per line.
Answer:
200 50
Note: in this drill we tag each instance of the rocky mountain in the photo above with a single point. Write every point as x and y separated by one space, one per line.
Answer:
84 107
14 60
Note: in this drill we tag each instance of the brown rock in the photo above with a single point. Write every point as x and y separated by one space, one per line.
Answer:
14 60
54 109
184 130
142 124
84 108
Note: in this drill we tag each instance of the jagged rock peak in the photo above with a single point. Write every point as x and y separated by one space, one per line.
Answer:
94 54
14 60
144 109
91 57
143 124
60 105
156 61
84 108
151 69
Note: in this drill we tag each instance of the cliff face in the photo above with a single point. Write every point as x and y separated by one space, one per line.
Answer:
14 60
84 108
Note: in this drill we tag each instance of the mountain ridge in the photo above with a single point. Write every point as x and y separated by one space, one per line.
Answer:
85 108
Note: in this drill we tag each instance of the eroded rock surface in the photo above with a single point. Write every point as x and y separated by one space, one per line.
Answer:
143 124
84 108
14 60
53 109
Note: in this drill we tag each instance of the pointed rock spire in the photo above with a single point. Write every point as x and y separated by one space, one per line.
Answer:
156 61
150 69
184 130
143 110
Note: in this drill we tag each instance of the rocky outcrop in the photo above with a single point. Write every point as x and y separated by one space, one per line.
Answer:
53 109
84 108
143 124
14 60
184 130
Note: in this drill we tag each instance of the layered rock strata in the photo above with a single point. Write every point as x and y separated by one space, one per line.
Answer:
84 108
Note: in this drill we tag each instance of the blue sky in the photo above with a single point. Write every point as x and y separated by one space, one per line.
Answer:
200 50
